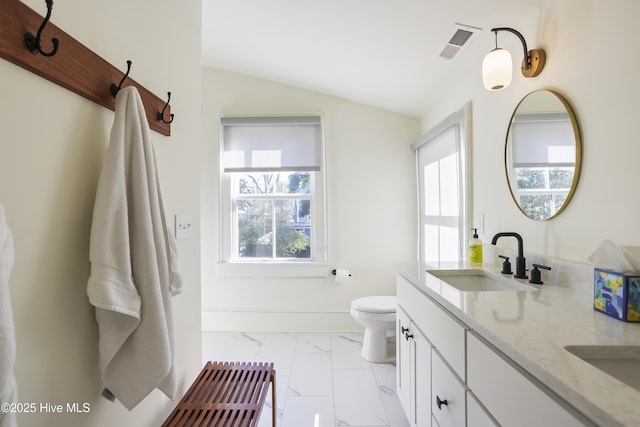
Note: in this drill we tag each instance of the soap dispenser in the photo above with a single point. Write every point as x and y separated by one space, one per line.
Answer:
475 248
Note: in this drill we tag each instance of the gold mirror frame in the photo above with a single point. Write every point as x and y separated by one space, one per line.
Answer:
508 161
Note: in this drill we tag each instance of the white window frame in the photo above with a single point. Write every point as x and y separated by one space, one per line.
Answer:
458 123
230 265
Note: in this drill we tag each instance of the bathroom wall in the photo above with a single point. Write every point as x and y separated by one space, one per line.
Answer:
589 62
371 205
51 151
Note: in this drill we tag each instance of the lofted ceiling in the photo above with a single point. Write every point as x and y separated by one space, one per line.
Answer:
383 53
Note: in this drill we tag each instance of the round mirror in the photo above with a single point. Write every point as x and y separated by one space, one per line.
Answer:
543 154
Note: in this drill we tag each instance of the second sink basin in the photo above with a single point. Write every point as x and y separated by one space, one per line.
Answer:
620 361
476 280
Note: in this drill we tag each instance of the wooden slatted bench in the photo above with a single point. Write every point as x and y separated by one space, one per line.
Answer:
229 394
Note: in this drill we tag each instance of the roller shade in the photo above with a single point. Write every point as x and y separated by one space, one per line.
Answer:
253 144
542 140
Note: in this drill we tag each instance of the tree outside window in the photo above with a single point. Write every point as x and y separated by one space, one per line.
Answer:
542 190
273 215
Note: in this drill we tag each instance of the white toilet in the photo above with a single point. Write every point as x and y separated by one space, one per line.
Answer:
378 316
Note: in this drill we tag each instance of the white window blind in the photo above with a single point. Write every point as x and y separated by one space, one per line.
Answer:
253 144
542 139
441 161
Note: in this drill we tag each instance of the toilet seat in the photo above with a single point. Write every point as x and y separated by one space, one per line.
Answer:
375 304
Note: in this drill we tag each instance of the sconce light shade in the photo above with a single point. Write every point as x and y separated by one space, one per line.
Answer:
497 69
497 66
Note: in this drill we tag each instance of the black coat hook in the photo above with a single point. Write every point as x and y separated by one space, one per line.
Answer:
160 115
115 88
33 42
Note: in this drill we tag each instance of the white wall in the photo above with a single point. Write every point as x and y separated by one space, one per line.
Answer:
51 152
371 198
589 63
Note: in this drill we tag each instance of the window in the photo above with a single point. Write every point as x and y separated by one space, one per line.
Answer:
272 195
272 215
442 190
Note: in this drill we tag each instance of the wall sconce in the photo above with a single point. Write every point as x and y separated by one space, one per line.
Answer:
497 66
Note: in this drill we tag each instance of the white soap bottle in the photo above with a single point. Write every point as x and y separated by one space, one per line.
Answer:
475 249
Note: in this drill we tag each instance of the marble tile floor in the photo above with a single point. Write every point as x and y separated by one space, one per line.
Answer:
321 379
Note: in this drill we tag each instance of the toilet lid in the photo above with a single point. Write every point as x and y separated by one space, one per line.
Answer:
377 304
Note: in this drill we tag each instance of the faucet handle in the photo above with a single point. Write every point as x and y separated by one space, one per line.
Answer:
506 265
535 274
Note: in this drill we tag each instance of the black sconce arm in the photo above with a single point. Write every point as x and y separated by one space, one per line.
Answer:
524 43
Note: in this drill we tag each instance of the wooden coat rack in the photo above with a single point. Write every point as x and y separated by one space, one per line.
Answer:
74 66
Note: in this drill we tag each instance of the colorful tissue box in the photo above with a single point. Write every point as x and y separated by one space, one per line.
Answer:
617 294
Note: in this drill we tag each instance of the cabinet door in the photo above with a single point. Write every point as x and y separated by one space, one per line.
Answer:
422 388
404 370
447 394
513 397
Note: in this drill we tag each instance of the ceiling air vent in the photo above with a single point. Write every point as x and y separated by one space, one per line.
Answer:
460 37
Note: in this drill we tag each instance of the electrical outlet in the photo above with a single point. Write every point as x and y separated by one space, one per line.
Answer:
183 226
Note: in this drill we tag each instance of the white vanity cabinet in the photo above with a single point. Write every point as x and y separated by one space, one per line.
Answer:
448 376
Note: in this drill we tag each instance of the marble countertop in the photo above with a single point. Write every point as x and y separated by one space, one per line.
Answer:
533 328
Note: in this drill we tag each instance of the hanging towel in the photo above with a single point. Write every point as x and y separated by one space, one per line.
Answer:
8 392
134 264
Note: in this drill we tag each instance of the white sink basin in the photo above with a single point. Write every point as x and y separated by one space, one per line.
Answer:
473 280
620 361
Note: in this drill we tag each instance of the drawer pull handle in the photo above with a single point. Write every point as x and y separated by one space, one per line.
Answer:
408 335
404 329
441 402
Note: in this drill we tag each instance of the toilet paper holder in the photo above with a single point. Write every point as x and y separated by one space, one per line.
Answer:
334 272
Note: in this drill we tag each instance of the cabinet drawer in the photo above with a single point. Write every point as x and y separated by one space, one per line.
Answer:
510 396
447 394
445 332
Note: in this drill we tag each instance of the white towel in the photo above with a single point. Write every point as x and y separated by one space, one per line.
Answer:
8 392
134 265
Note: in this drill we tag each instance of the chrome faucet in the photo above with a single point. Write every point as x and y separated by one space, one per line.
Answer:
521 264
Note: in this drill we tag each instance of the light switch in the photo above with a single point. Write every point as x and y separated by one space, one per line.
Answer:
183 226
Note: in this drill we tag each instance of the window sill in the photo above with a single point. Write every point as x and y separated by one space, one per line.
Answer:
273 269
